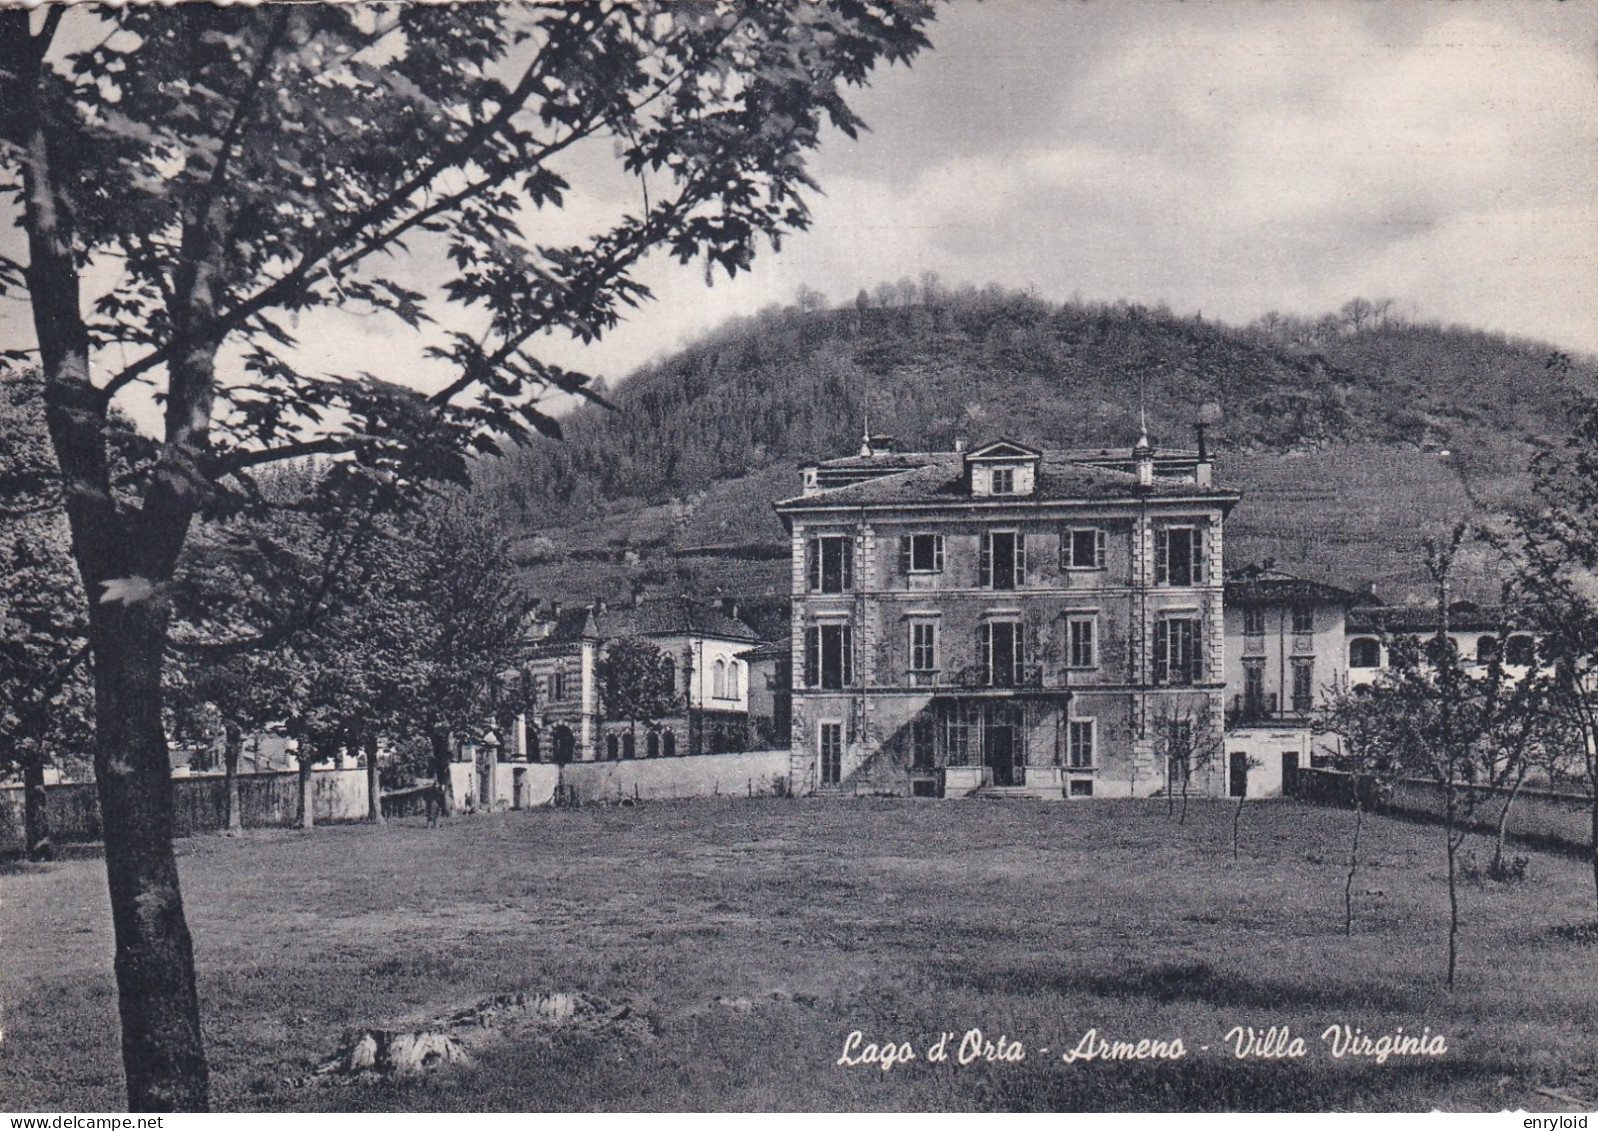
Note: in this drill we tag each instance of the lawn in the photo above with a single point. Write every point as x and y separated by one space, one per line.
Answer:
724 951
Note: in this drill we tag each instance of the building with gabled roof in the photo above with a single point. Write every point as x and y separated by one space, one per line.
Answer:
704 644
1005 618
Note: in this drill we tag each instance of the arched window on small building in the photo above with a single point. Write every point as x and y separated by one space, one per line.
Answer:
1486 649
652 744
668 744
611 746
627 748
1363 652
732 680
1520 651
718 680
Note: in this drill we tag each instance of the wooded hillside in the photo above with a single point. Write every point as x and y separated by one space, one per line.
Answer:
1350 434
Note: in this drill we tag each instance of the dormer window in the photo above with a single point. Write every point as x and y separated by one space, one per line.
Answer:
1002 468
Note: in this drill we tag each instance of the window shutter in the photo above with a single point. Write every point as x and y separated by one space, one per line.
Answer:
985 562
1098 549
1020 558
937 553
1162 571
847 644
813 564
812 656
985 647
1198 555
1020 648
1162 644
1065 549
848 564
904 554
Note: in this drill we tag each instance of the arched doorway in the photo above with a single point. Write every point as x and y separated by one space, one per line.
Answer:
564 744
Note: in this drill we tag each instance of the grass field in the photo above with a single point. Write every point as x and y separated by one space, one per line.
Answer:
753 937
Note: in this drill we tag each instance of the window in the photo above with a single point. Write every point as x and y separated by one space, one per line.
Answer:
1303 685
999 651
1254 621
831 753
1254 688
1486 649
1303 618
829 656
718 680
920 553
668 744
1001 560
1178 555
1082 741
1081 787
628 750
1082 549
557 686
1520 652
652 744
1363 652
1177 658
733 680
831 564
1003 481
612 747
923 646
1079 631
922 742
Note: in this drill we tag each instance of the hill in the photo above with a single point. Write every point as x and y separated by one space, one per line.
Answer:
1351 437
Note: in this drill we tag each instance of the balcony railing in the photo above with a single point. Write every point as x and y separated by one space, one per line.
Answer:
999 675
1246 709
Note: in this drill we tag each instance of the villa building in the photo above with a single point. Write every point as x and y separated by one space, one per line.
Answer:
1009 620
704 644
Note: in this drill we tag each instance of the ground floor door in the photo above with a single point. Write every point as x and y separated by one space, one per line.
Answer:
999 746
831 753
1289 773
1238 776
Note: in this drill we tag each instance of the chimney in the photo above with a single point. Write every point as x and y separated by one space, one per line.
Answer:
961 443
554 610
1203 470
599 607
729 605
1143 457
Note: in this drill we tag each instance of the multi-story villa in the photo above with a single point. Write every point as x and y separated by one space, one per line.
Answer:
1007 619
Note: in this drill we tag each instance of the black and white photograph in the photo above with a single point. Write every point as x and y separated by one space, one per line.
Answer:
839 556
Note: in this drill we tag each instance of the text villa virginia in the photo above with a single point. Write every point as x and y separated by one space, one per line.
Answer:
1242 1042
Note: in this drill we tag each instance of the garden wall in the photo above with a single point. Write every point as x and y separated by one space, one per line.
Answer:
761 773
199 805
1561 819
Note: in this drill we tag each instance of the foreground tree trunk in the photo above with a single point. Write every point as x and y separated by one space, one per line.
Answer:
161 1045
233 746
36 810
374 785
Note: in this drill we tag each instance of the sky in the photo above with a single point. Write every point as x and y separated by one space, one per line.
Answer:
1228 158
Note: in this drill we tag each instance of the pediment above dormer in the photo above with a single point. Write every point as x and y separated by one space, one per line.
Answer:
1003 451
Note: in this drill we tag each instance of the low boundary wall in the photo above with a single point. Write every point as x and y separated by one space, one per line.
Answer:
1563 820
273 800
761 773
